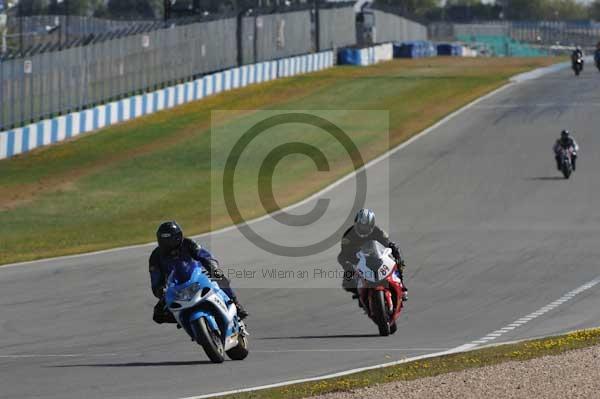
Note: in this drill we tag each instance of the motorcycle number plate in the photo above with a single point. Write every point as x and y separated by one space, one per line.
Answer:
384 271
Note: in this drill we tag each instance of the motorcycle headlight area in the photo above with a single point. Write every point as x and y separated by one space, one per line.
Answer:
187 293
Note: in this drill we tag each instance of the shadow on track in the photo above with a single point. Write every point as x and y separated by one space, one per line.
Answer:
546 178
323 336
137 364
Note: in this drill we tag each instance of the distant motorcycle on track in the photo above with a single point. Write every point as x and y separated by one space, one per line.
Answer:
565 161
206 313
578 66
379 286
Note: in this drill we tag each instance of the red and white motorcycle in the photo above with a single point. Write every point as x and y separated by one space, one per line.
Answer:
379 286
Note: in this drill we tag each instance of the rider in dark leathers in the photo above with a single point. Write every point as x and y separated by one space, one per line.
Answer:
364 230
576 55
566 141
172 245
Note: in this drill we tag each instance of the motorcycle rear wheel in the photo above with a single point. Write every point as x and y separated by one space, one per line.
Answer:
209 340
381 313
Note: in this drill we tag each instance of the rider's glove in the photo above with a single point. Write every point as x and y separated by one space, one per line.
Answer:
212 267
217 273
396 253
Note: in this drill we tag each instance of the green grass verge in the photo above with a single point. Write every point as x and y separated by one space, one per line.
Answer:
434 366
112 188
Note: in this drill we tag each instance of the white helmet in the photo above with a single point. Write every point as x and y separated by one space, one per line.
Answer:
364 223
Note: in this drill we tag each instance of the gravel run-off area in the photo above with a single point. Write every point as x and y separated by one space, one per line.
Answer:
574 374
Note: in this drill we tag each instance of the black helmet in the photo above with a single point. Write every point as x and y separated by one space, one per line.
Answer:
364 223
565 134
169 236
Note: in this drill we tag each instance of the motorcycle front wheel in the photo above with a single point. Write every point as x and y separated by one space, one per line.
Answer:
380 313
209 340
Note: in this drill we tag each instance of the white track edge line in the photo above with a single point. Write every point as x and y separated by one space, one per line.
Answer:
459 349
330 376
540 312
476 344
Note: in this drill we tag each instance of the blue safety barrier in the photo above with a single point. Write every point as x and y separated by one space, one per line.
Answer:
43 133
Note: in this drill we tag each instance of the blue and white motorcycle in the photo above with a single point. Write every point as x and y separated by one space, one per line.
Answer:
205 312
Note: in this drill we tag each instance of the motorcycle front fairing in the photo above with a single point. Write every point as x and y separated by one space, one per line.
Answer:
200 297
375 264
566 154
377 271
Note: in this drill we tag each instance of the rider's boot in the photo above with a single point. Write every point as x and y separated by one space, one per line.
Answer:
241 311
349 283
356 296
401 276
161 315
404 289
352 290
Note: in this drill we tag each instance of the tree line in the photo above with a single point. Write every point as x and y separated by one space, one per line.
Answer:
148 9
532 10
427 10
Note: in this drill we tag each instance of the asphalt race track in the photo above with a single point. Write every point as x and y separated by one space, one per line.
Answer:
490 232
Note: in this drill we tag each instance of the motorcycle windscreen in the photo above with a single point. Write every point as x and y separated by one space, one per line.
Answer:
374 253
182 271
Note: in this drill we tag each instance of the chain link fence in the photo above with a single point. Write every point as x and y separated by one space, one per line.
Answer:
48 81
51 83
267 37
542 33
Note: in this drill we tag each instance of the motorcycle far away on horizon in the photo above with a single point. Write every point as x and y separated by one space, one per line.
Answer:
578 66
